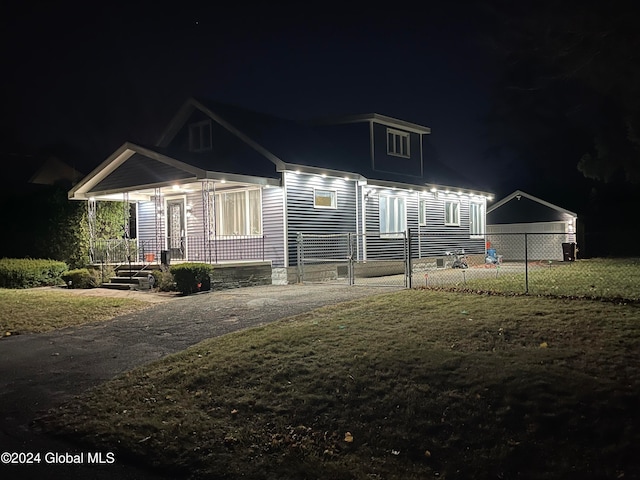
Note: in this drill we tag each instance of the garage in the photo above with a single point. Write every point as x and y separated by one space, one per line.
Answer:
547 229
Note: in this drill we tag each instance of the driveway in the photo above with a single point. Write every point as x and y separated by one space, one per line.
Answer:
39 372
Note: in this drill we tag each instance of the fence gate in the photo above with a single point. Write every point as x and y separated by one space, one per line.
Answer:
355 259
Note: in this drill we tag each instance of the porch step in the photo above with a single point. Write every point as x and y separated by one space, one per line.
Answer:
118 286
132 273
126 283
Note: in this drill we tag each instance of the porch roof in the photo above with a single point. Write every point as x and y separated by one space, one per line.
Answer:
139 170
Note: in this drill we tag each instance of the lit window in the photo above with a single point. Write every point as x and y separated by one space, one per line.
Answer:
452 213
398 143
476 219
238 213
325 198
422 212
200 136
393 215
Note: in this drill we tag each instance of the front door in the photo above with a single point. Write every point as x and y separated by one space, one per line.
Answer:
175 228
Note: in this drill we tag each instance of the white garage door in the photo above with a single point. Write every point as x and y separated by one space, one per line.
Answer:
544 240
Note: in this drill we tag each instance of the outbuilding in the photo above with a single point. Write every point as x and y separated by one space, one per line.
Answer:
549 231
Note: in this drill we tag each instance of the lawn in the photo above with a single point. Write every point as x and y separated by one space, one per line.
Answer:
592 278
40 310
411 385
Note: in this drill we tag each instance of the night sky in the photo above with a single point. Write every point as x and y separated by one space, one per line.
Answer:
93 77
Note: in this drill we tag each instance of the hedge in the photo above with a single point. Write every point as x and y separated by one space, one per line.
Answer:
192 277
82 278
26 272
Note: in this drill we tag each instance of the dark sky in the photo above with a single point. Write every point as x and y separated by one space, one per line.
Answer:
94 77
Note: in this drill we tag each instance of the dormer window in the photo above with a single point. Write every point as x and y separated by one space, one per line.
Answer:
200 136
398 143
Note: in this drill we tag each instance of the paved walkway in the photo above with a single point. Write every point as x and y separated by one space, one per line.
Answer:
39 372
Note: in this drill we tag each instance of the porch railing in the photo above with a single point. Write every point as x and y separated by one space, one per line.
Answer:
194 249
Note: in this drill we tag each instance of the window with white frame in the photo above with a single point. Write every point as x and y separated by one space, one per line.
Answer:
200 136
238 213
398 143
422 212
452 212
323 198
476 219
393 215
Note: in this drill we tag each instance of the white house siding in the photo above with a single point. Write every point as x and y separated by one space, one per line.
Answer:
431 240
147 228
273 225
302 217
436 238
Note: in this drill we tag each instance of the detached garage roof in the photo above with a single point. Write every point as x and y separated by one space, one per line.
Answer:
521 207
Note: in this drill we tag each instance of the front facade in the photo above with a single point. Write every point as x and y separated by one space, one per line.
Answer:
228 185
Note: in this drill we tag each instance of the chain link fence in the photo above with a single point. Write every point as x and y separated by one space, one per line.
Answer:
515 263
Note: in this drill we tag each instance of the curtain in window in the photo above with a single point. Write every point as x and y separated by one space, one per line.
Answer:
392 215
239 213
476 219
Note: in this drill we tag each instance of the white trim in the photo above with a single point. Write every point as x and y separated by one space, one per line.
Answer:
422 210
483 216
404 205
391 146
530 197
451 224
166 199
246 190
285 220
334 205
201 126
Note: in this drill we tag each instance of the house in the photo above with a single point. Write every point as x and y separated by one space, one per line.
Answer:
547 226
226 185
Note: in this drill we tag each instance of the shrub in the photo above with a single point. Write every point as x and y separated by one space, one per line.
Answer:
163 280
27 272
192 277
82 278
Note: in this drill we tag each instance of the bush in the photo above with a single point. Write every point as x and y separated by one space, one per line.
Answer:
192 277
82 278
163 280
26 272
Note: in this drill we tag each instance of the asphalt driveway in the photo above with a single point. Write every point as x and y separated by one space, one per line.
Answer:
38 372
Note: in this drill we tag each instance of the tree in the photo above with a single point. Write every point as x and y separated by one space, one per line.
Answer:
571 84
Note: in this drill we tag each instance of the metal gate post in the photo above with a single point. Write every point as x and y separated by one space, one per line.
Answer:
350 266
407 264
300 249
526 265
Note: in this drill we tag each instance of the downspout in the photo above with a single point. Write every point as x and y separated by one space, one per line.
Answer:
364 224
355 183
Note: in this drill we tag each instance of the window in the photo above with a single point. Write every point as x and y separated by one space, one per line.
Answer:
422 212
452 212
398 143
200 136
239 213
325 198
476 219
393 215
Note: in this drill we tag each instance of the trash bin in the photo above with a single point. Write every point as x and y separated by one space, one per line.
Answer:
165 257
568 252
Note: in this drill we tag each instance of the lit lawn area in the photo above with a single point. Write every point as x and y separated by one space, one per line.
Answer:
41 310
593 278
410 385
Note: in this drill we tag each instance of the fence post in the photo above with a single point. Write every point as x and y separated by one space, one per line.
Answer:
526 265
350 268
300 248
407 263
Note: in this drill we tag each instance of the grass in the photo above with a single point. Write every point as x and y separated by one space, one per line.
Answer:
38 310
407 385
593 278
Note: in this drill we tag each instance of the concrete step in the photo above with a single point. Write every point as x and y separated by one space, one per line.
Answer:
118 286
132 280
132 273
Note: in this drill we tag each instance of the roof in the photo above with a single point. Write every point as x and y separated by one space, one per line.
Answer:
520 193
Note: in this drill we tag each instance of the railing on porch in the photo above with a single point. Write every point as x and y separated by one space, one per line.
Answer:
194 249
225 248
114 250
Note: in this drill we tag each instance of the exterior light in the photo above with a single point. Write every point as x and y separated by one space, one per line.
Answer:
176 187
324 175
223 181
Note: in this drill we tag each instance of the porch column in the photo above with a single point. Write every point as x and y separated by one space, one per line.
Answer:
157 200
207 217
91 219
